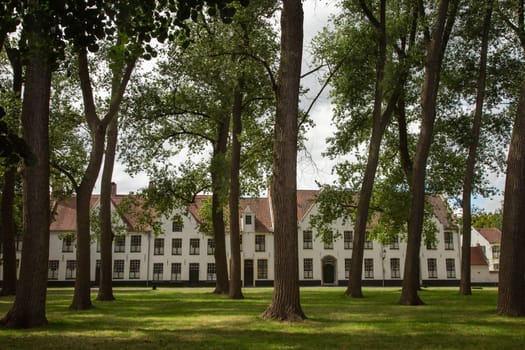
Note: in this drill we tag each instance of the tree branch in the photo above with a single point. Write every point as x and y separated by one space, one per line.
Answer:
67 173
370 15
117 100
87 91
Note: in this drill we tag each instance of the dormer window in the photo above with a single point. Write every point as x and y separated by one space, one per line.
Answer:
248 220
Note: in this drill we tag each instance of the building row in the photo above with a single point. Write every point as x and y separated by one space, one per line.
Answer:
181 255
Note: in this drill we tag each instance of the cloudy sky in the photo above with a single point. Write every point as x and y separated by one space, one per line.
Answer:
312 167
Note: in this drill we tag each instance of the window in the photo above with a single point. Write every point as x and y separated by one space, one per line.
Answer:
71 269
308 265
369 268
262 269
496 267
495 252
260 243
348 237
431 245
368 243
98 246
211 246
348 268
158 271
118 269
120 244
329 241
176 246
67 244
210 272
432 268
395 268
240 241
176 226
18 243
248 220
451 268
394 243
52 270
176 269
134 268
449 241
307 240
135 244
158 246
194 246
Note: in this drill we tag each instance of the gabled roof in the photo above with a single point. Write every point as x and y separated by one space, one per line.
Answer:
305 202
65 218
477 257
442 211
491 234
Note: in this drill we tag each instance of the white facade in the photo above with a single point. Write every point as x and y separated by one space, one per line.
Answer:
489 242
181 255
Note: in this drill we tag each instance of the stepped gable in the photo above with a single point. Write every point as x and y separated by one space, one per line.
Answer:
491 234
477 257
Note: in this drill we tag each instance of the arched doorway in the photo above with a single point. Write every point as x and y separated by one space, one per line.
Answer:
329 270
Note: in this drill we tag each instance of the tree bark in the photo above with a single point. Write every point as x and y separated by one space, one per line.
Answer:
219 185
285 303
511 290
465 282
435 49
235 249
8 227
105 291
8 232
379 123
29 308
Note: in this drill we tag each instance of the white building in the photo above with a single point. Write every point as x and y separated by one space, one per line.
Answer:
181 255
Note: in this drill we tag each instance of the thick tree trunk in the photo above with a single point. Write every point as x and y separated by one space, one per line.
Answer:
29 308
105 291
8 227
511 291
8 232
465 282
235 249
435 50
219 185
286 297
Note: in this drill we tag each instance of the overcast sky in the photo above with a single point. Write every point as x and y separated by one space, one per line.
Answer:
313 167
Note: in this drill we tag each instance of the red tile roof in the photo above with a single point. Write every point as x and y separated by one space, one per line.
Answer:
442 211
305 202
491 234
65 216
477 257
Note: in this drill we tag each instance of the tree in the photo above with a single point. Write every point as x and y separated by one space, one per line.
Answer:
511 288
465 286
8 222
435 44
285 303
29 307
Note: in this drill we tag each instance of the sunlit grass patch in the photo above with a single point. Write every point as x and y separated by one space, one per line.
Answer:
186 318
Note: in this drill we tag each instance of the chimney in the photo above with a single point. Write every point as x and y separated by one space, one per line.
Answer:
113 189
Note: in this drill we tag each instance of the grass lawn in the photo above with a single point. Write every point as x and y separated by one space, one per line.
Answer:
196 319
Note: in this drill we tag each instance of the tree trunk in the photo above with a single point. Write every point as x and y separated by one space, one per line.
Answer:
29 308
465 282
8 227
105 291
8 232
511 291
379 124
235 249
286 297
435 50
219 185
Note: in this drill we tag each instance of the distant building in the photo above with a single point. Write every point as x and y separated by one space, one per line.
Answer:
486 242
181 255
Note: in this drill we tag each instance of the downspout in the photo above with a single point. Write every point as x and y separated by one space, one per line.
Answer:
147 260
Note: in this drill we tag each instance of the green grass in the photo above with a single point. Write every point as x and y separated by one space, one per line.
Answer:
196 319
